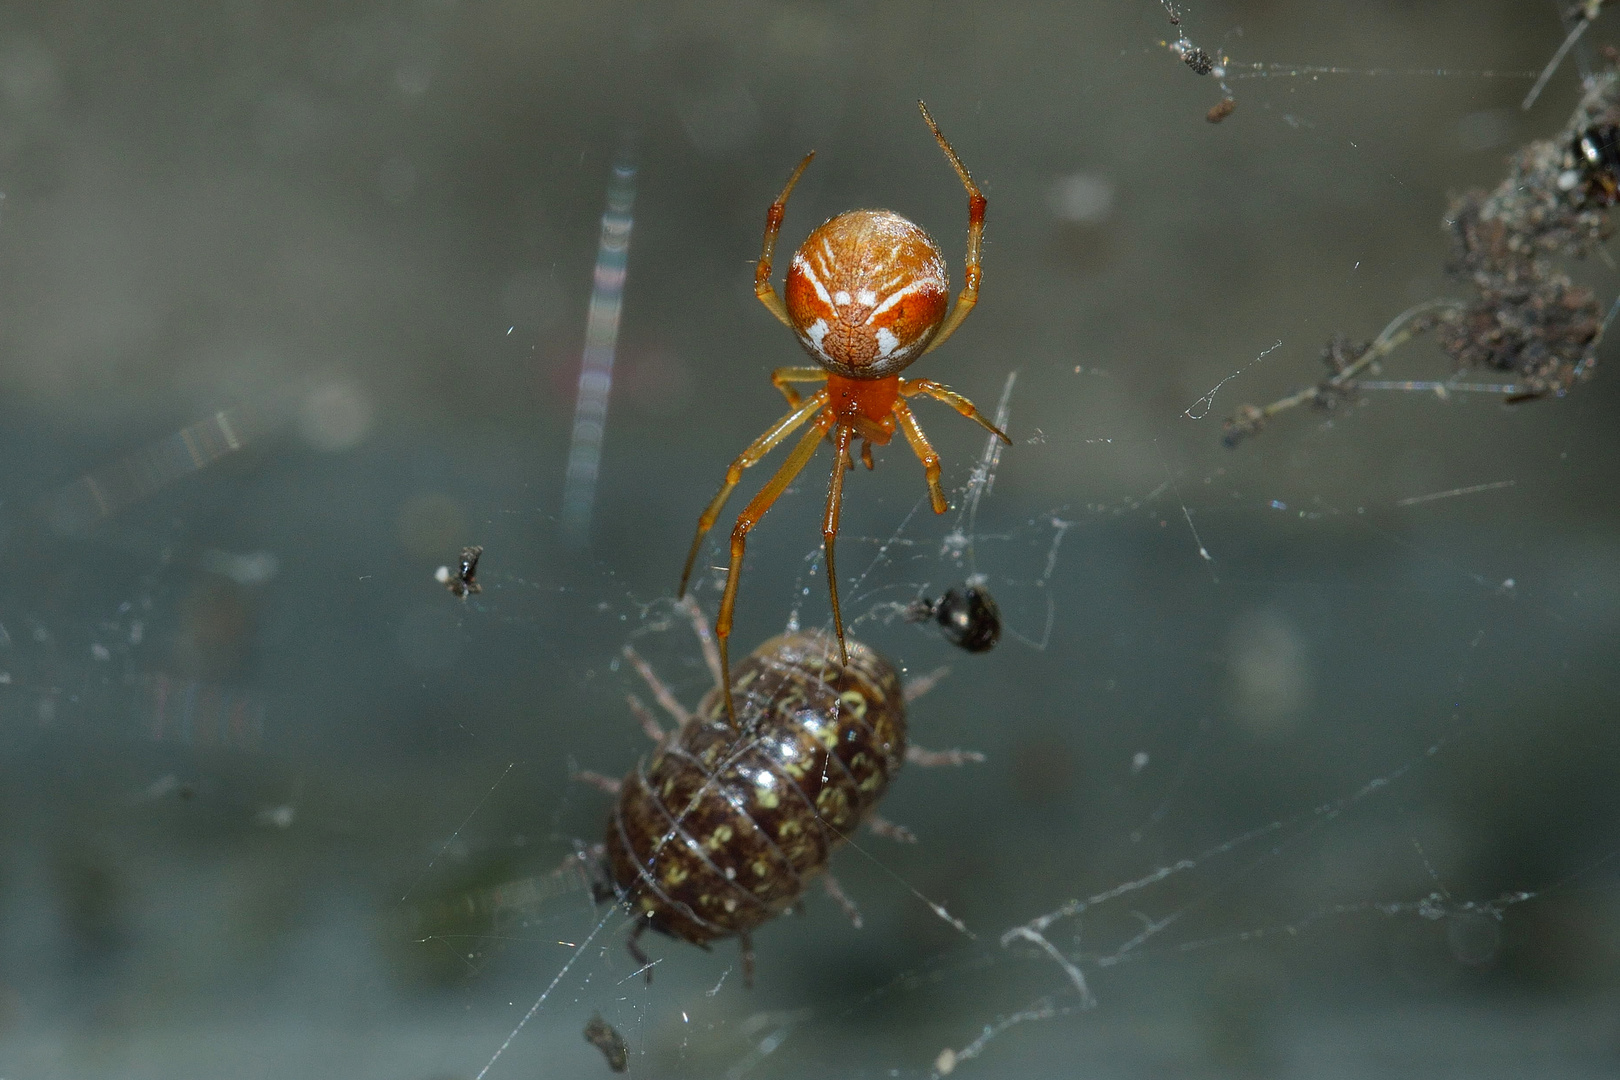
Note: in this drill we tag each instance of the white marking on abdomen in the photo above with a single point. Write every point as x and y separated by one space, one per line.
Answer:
817 331
802 265
887 342
895 297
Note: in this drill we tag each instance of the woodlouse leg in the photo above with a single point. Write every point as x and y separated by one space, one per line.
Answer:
664 695
784 375
940 392
829 530
969 295
773 225
598 781
930 759
587 862
705 636
644 717
747 959
756 508
916 688
642 959
882 826
925 453
841 898
750 457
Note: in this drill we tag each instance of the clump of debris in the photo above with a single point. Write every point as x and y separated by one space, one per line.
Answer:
1525 317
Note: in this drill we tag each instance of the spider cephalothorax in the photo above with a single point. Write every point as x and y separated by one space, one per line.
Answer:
866 294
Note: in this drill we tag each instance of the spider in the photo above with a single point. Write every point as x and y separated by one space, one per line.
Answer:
866 294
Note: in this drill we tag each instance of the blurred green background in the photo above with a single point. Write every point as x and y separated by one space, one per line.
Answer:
292 306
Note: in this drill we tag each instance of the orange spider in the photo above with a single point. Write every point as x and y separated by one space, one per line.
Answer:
867 294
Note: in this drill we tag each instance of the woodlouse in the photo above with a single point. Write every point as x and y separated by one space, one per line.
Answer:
721 829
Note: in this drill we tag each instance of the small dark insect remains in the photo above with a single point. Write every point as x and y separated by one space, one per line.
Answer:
1597 153
968 617
1197 59
465 580
722 828
601 1034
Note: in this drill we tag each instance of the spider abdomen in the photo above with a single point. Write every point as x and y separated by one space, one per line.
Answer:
721 829
866 292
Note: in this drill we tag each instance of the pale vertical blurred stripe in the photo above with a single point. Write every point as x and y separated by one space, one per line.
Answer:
596 367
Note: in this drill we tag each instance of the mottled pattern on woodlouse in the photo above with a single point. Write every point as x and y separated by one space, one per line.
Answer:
720 830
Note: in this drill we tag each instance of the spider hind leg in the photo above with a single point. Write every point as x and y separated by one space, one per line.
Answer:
756 509
829 530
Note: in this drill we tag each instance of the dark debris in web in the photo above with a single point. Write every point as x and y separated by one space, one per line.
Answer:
1524 318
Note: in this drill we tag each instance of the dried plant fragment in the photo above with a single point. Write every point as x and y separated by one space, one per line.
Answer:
601 1034
1525 317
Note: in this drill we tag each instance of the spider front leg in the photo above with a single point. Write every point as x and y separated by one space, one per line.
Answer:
756 508
969 295
773 225
747 459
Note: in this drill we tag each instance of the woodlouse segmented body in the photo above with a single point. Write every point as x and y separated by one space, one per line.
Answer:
720 829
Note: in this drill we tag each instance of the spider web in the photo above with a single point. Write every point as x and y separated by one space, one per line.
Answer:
1220 908
1299 756
1204 902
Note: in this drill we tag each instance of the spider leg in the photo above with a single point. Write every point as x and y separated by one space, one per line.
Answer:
969 295
925 453
829 529
756 508
773 225
747 459
941 392
784 375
